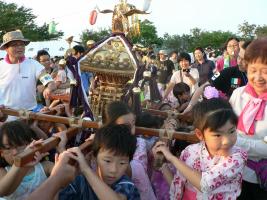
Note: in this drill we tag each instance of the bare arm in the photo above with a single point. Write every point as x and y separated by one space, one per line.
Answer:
62 174
193 176
168 90
95 182
9 181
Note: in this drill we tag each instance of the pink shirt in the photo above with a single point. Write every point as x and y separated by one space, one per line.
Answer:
221 176
220 63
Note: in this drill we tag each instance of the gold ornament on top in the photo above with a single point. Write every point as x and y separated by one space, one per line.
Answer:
125 18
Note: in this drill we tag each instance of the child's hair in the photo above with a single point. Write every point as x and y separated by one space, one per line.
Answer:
115 138
42 53
114 110
145 119
17 132
180 89
213 114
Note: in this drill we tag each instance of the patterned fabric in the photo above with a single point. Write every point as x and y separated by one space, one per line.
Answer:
127 188
139 171
221 176
79 189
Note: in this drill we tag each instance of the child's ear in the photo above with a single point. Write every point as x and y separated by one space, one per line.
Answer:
199 134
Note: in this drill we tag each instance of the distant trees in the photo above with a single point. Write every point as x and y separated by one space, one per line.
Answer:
14 17
250 31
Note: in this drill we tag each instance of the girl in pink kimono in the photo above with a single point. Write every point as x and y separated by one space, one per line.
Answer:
211 169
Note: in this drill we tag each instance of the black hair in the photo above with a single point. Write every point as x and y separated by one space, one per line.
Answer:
213 114
185 56
114 110
78 49
228 40
17 132
41 53
180 89
202 51
145 119
115 138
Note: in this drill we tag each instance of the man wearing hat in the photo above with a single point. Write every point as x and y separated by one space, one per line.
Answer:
19 75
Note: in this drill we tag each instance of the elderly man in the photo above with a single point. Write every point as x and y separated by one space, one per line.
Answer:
19 75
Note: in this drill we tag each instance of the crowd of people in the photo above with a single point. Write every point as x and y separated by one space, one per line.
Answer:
223 100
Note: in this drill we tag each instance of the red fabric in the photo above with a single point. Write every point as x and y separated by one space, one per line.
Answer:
8 60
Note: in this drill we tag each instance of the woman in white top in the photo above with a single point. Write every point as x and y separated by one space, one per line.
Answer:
186 74
249 103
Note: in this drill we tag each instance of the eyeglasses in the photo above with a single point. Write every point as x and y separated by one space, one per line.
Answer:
232 46
16 44
45 61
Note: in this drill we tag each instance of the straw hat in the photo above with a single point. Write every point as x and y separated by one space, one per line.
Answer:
13 36
62 62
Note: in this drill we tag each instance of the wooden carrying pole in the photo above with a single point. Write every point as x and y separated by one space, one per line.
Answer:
75 122
27 155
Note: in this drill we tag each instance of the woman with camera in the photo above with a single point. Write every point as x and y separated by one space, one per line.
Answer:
186 74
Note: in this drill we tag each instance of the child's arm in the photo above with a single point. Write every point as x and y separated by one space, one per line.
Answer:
193 176
9 181
39 132
62 174
167 173
101 189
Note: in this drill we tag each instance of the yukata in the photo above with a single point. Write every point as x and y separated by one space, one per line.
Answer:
139 171
221 177
80 189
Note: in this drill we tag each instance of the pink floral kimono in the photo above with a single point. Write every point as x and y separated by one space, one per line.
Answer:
139 171
221 176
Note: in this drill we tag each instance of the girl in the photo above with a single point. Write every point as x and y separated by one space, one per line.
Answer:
119 113
19 182
212 168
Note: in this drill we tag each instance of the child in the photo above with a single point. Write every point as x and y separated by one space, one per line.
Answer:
19 182
119 113
182 93
211 169
113 147
61 77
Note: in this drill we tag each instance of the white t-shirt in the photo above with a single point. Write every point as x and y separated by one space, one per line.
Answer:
176 78
18 84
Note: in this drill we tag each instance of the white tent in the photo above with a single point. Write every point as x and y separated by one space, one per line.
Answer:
54 48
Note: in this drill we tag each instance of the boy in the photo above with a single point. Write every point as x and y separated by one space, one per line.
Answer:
113 147
182 93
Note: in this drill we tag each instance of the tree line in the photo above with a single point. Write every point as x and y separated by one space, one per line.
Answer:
18 17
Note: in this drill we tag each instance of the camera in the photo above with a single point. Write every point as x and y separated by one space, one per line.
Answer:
186 70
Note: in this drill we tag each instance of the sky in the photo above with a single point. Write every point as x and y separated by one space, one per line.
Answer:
168 16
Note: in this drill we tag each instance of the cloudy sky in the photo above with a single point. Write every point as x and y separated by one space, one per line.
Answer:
169 16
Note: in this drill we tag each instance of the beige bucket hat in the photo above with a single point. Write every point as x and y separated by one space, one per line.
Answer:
13 36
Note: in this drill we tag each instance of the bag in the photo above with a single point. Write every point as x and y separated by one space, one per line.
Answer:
260 169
